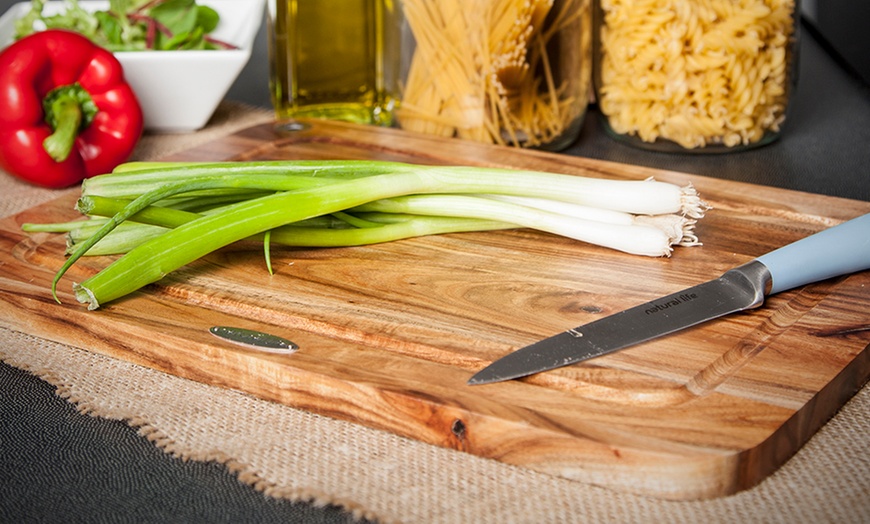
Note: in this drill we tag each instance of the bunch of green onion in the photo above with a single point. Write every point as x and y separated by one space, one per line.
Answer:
162 216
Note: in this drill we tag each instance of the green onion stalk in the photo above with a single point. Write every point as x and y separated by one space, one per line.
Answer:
166 215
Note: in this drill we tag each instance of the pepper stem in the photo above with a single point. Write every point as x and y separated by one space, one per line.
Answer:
68 110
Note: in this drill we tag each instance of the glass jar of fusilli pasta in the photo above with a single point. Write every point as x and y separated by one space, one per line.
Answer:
507 72
695 75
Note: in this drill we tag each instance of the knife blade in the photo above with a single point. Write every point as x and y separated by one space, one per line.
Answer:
836 251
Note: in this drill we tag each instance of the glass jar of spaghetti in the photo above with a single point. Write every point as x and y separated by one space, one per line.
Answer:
509 72
695 75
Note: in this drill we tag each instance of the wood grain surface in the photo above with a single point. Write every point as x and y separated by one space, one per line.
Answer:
390 333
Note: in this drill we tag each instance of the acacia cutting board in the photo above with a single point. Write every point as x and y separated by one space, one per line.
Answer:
390 333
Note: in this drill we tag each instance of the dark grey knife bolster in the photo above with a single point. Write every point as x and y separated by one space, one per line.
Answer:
752 278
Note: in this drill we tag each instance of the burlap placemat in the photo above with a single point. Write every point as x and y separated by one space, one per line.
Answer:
301 456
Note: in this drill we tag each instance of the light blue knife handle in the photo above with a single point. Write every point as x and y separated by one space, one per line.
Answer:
840 250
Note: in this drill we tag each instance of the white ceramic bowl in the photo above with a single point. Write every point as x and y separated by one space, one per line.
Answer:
178 90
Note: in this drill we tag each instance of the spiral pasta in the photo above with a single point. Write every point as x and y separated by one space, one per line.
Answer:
696 72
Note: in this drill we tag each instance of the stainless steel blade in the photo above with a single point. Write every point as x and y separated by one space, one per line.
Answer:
738 289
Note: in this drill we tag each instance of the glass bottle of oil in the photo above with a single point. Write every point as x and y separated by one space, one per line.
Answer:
335 59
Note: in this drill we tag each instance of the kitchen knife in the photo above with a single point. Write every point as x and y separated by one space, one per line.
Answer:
836 251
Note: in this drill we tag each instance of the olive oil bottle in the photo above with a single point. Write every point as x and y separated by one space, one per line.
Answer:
335 59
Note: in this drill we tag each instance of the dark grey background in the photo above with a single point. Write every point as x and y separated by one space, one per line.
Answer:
57 465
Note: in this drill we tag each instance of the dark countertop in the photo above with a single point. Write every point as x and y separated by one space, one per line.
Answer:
59 465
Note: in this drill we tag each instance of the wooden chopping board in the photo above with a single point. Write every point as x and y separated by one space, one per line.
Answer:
390 333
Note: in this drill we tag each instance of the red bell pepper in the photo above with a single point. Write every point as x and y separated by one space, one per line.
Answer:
66 111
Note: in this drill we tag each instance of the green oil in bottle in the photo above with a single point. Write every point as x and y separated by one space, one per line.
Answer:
335 59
